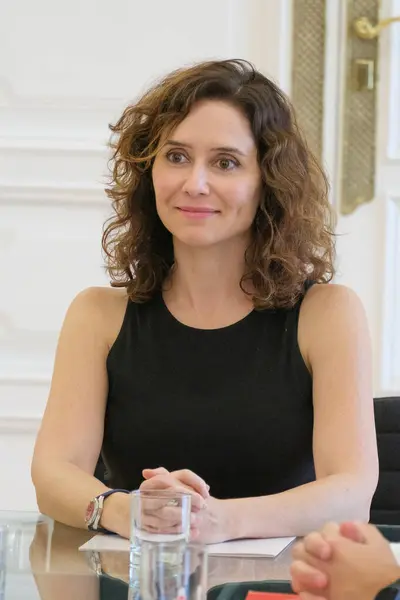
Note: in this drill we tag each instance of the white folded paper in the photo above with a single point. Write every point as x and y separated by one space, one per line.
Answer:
396 551
269 548
259 548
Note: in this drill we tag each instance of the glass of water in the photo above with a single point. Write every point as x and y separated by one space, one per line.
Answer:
170 571
159 516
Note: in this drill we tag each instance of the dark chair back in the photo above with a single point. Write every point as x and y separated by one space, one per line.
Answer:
385 509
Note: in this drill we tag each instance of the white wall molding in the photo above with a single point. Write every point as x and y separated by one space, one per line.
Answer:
393 34
12 425
54 145
53 194
9 98
335 49
275 31
390 380
26 379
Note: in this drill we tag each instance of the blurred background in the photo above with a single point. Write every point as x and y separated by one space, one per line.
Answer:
67 69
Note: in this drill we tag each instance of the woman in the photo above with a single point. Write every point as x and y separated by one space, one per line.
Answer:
221 354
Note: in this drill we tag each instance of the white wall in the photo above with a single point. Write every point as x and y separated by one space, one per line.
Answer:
67 70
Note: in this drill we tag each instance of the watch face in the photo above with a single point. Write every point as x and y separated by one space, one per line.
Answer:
90 512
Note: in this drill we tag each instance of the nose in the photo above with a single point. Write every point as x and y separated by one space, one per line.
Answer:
196 182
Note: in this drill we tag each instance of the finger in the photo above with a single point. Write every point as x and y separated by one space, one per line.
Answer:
330 529
331 533
353 531
316 545
307 578
166 520
169 483
370 533
191 479
298 551
169 514
185 476
149 473
165 482
154 526
308 596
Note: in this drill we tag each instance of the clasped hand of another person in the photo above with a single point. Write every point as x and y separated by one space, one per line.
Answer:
351 561
209 522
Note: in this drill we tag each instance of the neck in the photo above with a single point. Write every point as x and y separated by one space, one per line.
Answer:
204 279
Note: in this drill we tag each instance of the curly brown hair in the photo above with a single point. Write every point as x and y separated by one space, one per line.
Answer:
293 238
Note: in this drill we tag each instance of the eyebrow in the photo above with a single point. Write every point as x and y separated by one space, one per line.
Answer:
231 149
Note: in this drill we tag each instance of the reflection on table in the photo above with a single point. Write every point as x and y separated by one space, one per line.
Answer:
44 562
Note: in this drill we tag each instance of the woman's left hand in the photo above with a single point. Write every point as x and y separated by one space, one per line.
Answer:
189 480
212 522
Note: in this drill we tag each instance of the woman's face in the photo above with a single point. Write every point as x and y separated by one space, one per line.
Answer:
206 176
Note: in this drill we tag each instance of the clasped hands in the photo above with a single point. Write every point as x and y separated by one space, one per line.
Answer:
207 523
351 561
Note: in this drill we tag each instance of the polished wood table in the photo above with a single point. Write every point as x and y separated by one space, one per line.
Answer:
40 559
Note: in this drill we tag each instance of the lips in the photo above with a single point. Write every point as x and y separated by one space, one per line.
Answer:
201 210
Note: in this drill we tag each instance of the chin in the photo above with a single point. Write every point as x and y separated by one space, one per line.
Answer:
195 239
197 242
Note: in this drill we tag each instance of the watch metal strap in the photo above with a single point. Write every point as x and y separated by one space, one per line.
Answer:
99 510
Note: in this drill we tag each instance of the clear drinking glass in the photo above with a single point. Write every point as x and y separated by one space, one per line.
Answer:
159 516
170 571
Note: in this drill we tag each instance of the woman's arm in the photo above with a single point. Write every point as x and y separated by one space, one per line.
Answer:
70 437
334 340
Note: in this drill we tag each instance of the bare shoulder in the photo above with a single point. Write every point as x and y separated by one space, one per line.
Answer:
330 298
330 315
100 307
102 298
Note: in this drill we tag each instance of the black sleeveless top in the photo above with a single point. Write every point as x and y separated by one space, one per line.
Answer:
234 404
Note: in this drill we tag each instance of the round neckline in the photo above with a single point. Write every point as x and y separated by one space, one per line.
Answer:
175 320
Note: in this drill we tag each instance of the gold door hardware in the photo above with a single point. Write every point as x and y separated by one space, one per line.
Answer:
364 74
357 152
364 29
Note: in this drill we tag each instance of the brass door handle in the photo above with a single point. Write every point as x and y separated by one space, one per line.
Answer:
364 29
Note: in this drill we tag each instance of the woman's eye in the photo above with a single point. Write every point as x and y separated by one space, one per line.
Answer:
176 157
226 164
